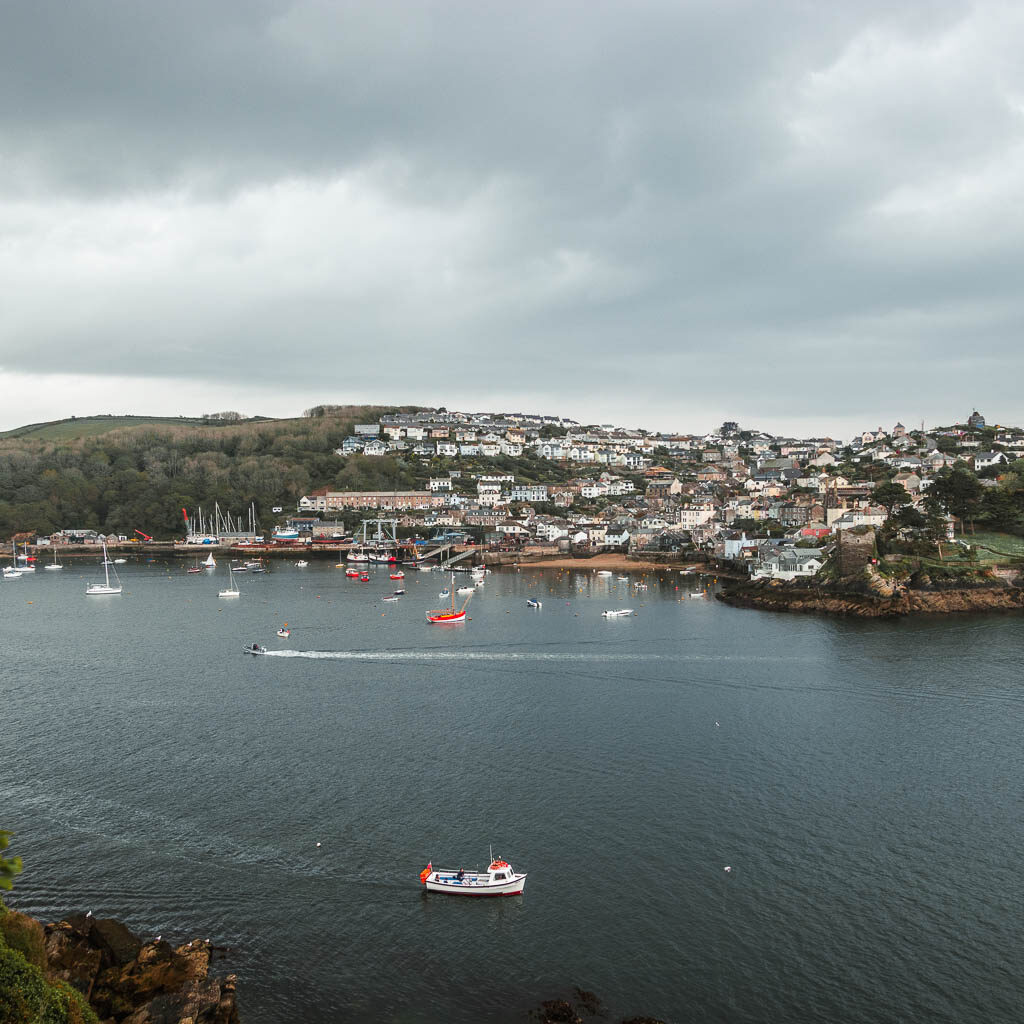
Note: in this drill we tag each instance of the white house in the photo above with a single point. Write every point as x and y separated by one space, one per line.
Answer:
787 563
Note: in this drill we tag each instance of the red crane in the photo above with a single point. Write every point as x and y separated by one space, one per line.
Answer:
144 536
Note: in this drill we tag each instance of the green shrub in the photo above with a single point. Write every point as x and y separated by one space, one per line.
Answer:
25 935
26 997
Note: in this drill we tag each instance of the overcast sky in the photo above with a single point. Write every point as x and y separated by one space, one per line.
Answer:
807 217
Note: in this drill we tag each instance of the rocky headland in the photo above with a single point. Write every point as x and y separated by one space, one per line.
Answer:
122 979
856 581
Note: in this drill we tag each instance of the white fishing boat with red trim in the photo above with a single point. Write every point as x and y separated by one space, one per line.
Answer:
500 879
443 616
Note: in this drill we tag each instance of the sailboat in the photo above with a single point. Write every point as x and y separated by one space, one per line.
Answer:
12 572
106 587
232 590
54 564
440 616
22 562
211 562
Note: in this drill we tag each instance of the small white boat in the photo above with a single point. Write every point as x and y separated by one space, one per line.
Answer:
626 578
54 564
500 879
232 590
616 613
284 632
211 562
106 587
533 603
10 573
445 593
120 561
696 593
254 649
397 593
390 597
354 556
398 575
605 572
465 590
301 564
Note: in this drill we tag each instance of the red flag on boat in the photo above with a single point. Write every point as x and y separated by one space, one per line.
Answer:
425 873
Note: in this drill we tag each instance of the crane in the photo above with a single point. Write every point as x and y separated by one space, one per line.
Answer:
144 536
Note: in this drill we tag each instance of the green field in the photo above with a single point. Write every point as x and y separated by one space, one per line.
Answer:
89 426
93 426
996 547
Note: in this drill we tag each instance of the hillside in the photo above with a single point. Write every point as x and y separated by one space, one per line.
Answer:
114 474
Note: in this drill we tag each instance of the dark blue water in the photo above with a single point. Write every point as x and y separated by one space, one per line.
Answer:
863 781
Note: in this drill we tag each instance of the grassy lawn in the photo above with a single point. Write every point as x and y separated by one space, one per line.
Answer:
992 548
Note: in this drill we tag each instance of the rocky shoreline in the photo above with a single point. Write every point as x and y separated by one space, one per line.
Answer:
123 979
880 601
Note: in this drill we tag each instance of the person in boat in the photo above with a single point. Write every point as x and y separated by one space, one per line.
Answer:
461 875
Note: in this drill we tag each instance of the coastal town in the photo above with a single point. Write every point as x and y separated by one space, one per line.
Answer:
521 487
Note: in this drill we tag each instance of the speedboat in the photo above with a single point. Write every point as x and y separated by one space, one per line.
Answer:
284 632
254 649
500 879
532 602
615 613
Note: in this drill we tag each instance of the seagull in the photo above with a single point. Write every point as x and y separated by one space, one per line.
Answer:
727 868
89 914
717 725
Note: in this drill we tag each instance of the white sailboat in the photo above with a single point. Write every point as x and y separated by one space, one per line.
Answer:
21 562
12 572
232 590
106 587
54 564
211 562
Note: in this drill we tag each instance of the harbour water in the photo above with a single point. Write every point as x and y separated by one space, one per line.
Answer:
863 781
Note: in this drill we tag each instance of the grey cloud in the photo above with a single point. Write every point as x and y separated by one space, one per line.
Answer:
638 195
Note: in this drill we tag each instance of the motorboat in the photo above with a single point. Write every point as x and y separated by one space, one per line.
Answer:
696 593
391 597
120 561
616 613
364 578
398 575
284 632
398 593
532 602
254 649
626 578
500 879
445 593
352 573
301 564
355 556
255 566
605 572
11 573
465 590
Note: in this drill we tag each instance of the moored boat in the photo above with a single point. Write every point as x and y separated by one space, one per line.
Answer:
284 632
532 602
442 616
615 613
500 879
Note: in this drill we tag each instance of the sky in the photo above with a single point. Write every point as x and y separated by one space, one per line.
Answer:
808 218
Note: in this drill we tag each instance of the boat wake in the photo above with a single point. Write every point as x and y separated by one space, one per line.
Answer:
459 656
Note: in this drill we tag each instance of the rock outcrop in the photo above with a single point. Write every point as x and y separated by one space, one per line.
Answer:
128 981
875 597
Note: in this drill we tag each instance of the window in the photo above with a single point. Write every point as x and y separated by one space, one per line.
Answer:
500 876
